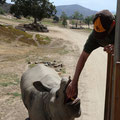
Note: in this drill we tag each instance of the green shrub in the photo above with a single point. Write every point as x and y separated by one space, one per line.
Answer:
43 40
2 11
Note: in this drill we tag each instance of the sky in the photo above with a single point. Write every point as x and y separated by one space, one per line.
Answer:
91 4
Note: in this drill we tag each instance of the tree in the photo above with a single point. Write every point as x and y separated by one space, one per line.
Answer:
81 17
77 16
88 20
1 11
73 22
38 9
64 22
63 16
2 1
56 19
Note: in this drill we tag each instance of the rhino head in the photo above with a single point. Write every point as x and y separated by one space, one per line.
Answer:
56 106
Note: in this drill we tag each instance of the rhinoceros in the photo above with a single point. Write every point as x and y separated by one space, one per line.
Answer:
43 94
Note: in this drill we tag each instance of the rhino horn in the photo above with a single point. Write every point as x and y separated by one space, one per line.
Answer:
40 87
64 83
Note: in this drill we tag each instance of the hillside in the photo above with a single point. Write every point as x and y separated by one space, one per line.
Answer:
6 7
70 9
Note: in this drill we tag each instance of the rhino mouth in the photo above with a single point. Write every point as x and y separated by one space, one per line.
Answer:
75 102
71 101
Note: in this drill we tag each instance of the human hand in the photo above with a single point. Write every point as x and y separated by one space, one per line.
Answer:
72 90
109 48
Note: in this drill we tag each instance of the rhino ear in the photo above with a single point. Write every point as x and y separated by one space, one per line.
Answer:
40 87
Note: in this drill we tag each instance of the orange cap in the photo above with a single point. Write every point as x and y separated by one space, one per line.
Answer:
98 26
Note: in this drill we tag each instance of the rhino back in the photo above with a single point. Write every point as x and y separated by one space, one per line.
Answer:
47 76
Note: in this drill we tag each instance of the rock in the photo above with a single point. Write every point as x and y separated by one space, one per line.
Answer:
55 66
61 65
54 61
29 62
57 70
20 28
49 63
36 27
36 62
46 64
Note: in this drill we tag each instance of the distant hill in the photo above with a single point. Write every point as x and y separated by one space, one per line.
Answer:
6 7
70 9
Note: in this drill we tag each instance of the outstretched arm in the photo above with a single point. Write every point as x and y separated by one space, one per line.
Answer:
72 87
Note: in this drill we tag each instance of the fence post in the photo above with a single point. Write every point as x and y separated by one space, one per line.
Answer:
115 111
108 96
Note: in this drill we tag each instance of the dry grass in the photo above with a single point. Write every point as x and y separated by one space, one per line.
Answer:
9 34
43 40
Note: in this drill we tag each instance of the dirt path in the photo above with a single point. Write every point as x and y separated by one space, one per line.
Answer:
92 79
8 22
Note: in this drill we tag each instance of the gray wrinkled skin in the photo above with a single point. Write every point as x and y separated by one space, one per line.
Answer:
43 94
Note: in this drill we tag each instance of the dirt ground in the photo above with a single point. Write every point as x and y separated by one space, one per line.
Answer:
65 47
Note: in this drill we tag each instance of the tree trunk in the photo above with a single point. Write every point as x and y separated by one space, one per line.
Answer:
88 25
35 20
76 25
